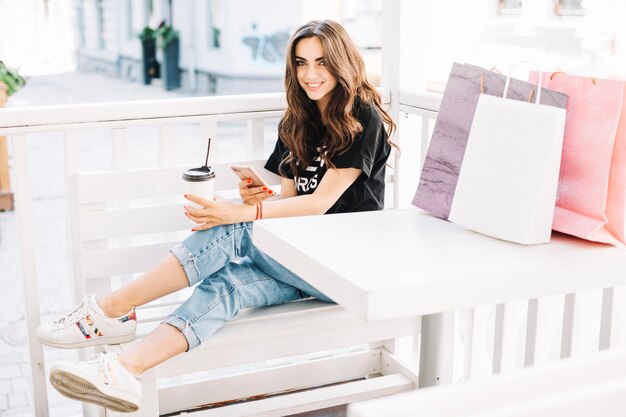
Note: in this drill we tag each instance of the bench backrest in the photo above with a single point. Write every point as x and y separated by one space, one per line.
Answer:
128 220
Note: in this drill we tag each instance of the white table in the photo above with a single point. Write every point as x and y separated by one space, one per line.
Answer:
398 263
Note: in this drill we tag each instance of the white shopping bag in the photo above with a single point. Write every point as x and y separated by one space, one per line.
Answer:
508 179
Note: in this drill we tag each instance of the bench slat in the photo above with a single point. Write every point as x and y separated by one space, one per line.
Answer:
124 260
268 381
295 308
325 397
278 336
117 223
159 182
258 319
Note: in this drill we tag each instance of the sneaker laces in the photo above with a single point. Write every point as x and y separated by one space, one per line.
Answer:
103 360
81 311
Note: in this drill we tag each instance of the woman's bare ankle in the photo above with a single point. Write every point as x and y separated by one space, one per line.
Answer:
113 308
129 366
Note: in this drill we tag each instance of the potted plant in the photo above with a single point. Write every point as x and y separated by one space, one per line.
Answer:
168 40
150 64
10 82
11 79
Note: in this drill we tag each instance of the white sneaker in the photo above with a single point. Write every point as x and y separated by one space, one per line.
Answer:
103 381
87 325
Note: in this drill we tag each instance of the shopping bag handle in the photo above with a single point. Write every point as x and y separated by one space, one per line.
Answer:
482 78
593 79
508 81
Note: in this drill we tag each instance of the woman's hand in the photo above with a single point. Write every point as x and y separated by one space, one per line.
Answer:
252 195
216 212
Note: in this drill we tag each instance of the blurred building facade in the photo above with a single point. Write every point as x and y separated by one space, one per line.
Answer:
237 45
222 42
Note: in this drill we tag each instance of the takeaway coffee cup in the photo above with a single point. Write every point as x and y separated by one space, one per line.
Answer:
199 181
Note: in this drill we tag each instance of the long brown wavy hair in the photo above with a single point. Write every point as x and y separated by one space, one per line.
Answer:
302 115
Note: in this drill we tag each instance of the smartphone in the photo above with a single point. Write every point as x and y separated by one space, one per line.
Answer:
245 171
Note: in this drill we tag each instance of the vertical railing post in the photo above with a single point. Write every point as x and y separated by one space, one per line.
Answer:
567 338
391 75
606 319
530 351
72 168
167 147
424 140
256 138
29 273
466 325
498 339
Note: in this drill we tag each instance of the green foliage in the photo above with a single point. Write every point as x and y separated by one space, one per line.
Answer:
11 78
147 33
165 34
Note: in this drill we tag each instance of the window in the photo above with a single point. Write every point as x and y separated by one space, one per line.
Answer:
569 7
509 7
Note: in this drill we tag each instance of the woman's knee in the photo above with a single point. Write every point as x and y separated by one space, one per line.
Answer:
205 252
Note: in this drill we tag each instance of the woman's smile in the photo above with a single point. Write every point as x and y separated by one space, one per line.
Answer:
314 86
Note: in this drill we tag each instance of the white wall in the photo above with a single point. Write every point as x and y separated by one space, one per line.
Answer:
34 44
437 33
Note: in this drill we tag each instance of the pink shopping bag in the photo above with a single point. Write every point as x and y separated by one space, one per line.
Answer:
591 196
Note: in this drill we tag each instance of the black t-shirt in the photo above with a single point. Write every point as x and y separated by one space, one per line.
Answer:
369 153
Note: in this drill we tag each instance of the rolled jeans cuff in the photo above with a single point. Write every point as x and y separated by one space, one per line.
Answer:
186 260
187 330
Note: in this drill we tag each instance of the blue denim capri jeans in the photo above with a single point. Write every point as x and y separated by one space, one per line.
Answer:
231 274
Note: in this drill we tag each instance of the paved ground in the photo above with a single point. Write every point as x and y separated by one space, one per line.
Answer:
48 204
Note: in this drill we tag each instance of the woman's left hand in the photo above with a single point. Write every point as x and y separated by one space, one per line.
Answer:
213 212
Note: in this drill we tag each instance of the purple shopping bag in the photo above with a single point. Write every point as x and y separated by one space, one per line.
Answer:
435 191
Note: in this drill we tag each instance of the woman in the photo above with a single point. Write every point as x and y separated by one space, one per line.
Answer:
331 155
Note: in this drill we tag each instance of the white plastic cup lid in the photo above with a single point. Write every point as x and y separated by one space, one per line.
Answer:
202 173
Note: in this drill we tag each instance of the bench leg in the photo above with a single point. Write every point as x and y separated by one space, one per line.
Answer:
150 396
436 349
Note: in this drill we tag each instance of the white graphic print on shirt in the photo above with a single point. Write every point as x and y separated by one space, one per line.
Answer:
312 175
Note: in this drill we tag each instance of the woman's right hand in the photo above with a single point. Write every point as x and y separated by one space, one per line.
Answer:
253 195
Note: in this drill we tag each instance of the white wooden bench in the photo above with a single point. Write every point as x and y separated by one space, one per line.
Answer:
117 233
122 218
592 386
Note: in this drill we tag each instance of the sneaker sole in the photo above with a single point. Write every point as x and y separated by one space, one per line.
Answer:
77 388
90 342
